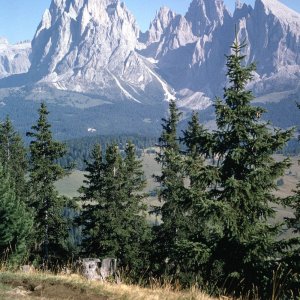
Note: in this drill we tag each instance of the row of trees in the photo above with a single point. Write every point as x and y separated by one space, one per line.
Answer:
217 224
31 210
218 219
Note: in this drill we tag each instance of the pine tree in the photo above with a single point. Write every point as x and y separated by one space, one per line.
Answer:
16 223
247 251
195 248
50 226
13 156
294 203
172 194
290 264
113 215
292 260
136 242
198 142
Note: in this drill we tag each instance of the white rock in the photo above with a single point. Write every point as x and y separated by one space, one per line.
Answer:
90 46
14 59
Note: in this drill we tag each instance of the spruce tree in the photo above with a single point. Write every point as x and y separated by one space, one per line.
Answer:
113 215
290 264
51 230
172 194
138 237
246 253
195 248
16 223
198 144
13 156
292 260
294 203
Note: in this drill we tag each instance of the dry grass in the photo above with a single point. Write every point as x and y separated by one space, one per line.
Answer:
137 293
46 286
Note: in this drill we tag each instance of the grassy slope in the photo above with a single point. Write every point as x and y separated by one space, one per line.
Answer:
46 286
69 185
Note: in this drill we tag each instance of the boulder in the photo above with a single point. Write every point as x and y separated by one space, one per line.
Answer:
96 269
90 268
108 268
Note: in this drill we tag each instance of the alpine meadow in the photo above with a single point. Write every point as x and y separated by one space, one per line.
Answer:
152 165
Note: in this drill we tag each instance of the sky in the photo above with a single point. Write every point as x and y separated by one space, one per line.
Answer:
20 18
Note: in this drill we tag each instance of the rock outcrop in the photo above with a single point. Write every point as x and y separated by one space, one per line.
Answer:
88 46
14 59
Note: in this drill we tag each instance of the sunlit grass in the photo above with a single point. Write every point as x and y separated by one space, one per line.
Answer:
11 281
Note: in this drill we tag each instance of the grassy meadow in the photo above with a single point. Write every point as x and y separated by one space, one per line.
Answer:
37 285
69 185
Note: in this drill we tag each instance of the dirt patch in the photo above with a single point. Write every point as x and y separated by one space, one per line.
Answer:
65 292
30 289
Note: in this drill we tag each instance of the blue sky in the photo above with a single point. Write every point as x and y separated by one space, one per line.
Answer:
20 18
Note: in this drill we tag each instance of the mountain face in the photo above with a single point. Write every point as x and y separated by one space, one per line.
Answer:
90 53
270 30
88 46
187 52
14 59
167 32
205 16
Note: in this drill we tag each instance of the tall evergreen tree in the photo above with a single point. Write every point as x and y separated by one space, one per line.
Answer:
113 215
291 261
195 248
247 251
16 223
50 226
172 195
294 203
13 156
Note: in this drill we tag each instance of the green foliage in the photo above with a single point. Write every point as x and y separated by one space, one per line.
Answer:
79 149
113 215
174 227
291 261
51 230
13 156
217 198
200 176
16 223
247 178
216 192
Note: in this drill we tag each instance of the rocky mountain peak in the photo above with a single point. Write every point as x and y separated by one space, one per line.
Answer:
206 15
165 15
89 46
274 8
242 10
158 26
95 47
72 31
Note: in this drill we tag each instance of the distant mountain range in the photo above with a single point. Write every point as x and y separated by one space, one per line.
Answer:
95 69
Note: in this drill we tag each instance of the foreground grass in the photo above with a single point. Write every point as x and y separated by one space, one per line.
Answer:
14 285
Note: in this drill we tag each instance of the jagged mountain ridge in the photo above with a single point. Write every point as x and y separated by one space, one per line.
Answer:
92 46
270 29
89 47
90 53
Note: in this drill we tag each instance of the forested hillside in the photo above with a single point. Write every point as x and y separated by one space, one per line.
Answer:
215 228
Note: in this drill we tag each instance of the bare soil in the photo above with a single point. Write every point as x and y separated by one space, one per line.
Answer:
32 288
